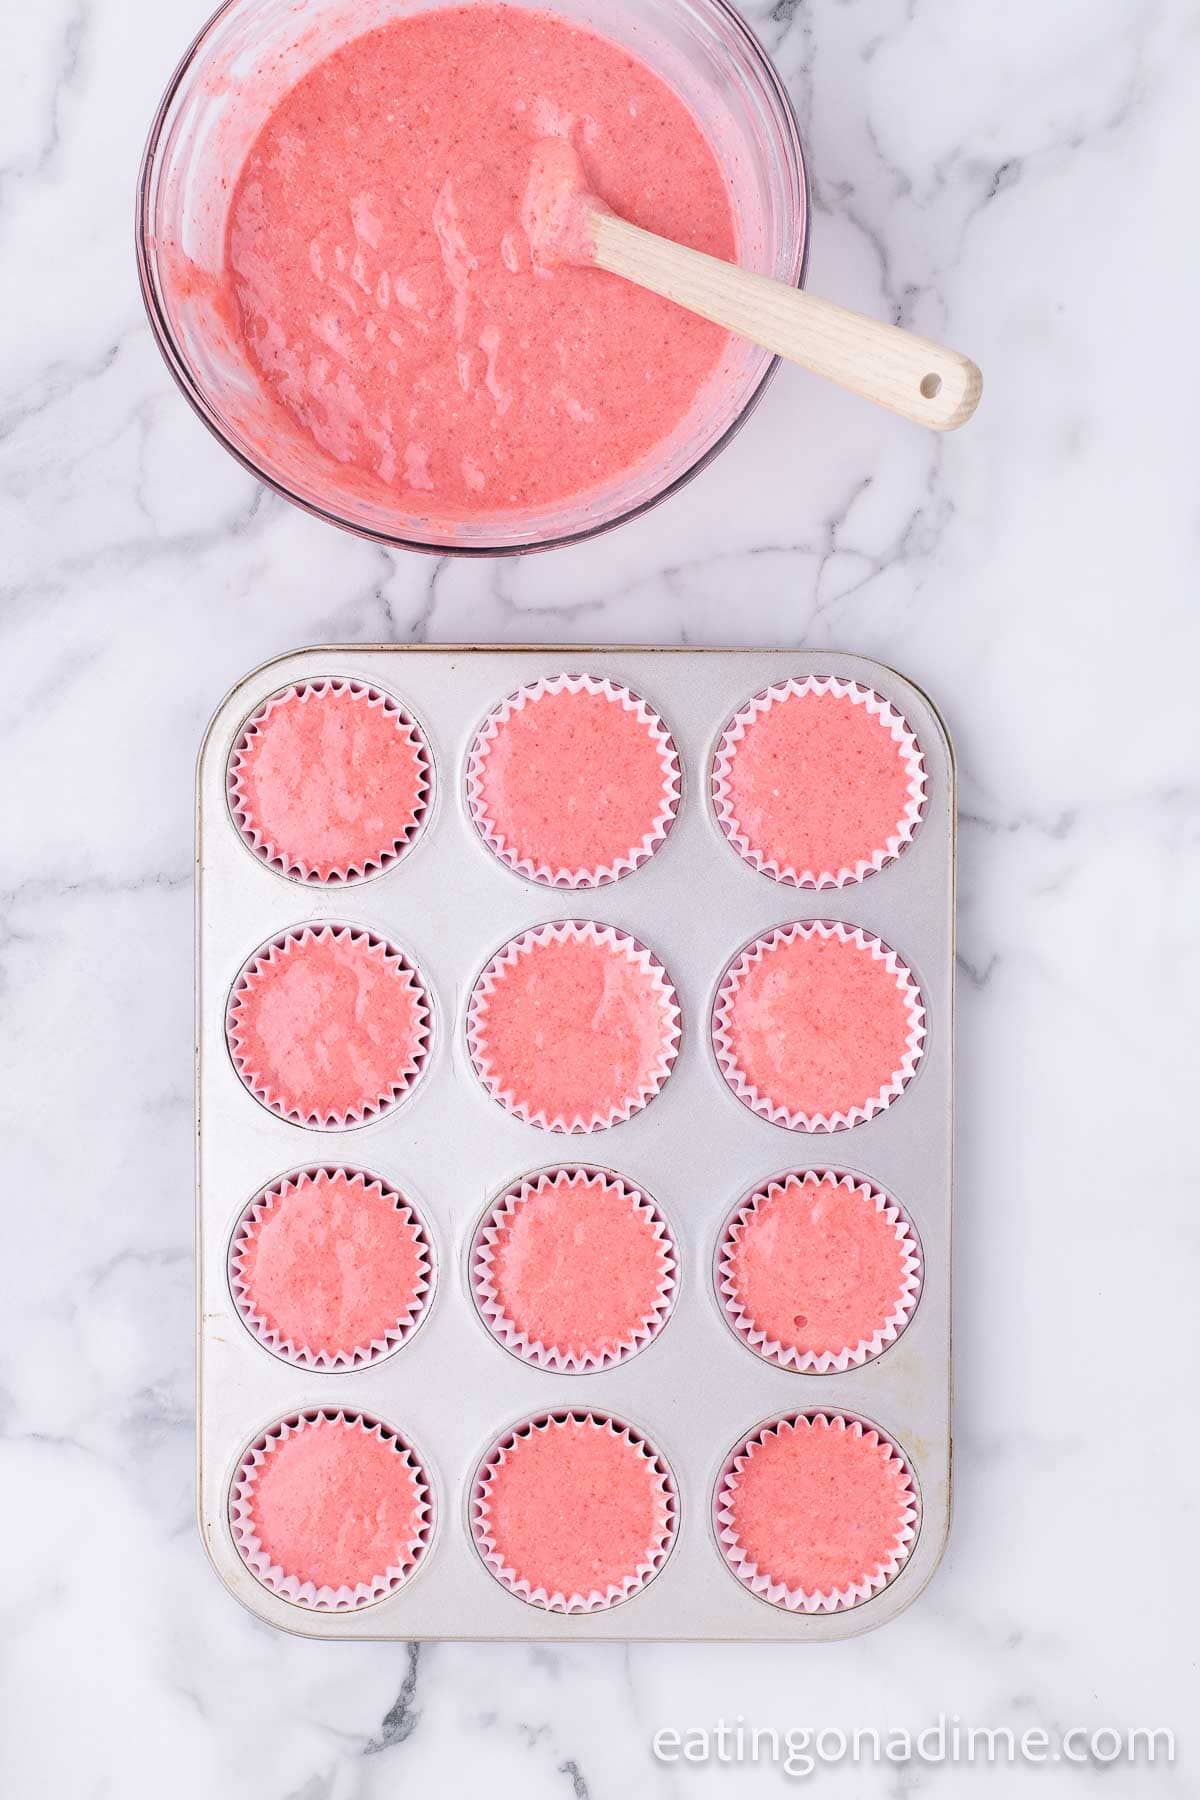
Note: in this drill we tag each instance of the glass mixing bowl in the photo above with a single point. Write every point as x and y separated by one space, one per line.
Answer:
250 53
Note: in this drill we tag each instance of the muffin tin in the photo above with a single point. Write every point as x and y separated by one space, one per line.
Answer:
695 1390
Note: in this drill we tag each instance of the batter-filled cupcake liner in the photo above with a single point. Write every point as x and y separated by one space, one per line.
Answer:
856 695
291 1587
578 931
600 874
285 1346
552 1356
371 1106
850 1356
256 834
837 1119
595 1599
873 1578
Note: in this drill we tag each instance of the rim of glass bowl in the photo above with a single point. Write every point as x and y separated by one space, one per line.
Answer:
196 398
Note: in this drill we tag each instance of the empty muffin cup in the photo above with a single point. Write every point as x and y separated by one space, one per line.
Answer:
816 1512
331 1268
328 1026
573 1512
818 1026
573 1270
574 1026
818 782
818 1271
331 1510
330 781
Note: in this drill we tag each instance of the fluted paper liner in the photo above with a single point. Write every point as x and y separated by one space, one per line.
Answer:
552 1356
837 1119
254 833
857 695
371 1106
360 1356
850 1356
579 931
602 873
761 1581
290 1587
595 1600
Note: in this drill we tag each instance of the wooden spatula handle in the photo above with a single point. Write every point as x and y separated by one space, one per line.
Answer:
921 381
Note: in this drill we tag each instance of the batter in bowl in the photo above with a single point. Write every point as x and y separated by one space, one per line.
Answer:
383 282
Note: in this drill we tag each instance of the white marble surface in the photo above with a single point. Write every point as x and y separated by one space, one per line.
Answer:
1020 178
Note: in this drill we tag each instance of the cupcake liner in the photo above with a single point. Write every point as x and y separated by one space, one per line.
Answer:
549 1356
760 1581
302 1355
290 1587
596 1600
334 1119
578 931
256 837
857 695
825 1362
837 1120
602 874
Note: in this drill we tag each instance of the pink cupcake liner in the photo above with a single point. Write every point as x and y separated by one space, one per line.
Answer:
836 1120
857 695
852 1356
370 1107
604 873
579 931
595 1600
290 1587
760 1581
255 836
550 1356
302 1355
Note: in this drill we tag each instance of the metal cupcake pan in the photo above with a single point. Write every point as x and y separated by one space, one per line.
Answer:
696 1390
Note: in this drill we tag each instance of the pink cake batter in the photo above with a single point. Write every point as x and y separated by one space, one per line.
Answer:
573 1032
816 786
329 780
575 1508
378 262
558 209
329 1027
332 1265
336 1505
818 1507
814 1265
815 1026
574 780
576 1263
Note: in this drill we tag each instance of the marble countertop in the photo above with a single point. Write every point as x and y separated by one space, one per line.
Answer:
1017 178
